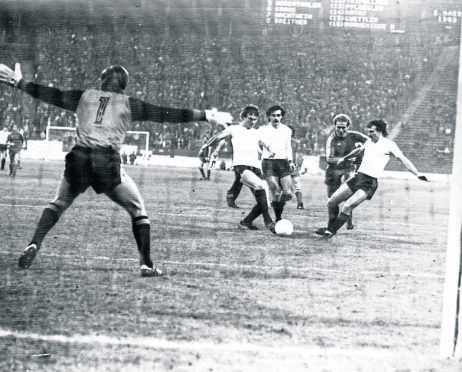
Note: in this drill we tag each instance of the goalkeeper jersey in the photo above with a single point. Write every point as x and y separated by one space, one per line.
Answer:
104 117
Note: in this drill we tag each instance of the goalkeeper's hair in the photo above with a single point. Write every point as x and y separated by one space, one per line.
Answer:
249 110
275 108
114 74
380 125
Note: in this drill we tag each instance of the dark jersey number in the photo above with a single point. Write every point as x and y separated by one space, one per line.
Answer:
103 101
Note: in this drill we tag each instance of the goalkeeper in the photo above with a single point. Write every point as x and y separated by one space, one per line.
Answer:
104 115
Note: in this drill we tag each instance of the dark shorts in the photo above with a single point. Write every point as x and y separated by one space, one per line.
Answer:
239 169
363 182
97 167
334 176
3 148
276 168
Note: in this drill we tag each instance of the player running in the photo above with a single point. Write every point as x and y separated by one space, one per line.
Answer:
3 146
15 143
340 143
246 142
377 151
277 167
104 115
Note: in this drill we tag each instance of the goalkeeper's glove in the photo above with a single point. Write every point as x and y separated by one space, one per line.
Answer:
10 77
218 117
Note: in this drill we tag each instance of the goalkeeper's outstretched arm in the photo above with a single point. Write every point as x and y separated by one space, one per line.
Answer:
54 96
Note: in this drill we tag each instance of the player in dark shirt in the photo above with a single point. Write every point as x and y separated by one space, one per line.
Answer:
340 143
15 142
104 115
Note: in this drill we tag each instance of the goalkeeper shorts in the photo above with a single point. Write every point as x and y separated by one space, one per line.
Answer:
96 167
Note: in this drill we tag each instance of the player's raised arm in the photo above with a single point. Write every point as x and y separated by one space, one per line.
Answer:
67 100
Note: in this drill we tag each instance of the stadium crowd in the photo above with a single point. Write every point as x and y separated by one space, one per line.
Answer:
314 75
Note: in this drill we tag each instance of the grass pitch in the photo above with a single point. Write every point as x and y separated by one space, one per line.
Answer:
236 300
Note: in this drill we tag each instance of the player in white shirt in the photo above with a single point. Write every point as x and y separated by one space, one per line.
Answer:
377 152
3 145
278 167
246 142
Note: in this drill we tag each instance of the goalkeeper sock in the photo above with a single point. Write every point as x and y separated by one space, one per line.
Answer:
142 232
47 221
202 172
3 163
208 174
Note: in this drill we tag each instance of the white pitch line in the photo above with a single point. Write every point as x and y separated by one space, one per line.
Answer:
157 343
262 267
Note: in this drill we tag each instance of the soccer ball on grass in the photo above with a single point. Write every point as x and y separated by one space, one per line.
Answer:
284 227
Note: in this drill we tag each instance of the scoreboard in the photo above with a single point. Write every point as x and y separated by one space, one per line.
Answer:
386 15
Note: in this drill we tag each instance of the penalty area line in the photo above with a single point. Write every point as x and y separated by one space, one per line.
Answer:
194 346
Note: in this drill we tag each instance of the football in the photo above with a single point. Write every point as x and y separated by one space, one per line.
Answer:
284 227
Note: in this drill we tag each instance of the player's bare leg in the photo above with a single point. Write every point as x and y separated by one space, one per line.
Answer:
126 194
50 215
281 191
296 186
275 189
286 186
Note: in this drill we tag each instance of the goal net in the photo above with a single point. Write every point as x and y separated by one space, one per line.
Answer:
59 141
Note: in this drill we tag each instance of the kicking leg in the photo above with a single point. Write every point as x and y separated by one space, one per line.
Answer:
351 203
257 185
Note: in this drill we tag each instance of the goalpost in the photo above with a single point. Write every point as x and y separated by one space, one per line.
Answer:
138 142
61 140
451 326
